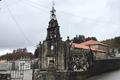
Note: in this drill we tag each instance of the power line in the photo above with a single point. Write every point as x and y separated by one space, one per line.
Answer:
17 24
68 13
83 17
38 4
32 5
35 8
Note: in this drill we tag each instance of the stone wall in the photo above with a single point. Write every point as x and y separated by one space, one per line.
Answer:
43 75
101 66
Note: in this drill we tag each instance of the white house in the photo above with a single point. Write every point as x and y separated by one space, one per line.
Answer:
20 59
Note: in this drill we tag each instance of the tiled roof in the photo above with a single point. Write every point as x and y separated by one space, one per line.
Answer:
93 42
3 61
16 56
83 46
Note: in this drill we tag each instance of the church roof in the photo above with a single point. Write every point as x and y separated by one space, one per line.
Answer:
82 46
93 42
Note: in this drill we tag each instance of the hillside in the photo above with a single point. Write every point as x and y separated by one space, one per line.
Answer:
114 42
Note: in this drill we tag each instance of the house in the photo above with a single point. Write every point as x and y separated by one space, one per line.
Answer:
19 59
3 65
100 50
22 60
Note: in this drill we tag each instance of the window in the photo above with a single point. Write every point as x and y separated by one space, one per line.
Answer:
52 47
51 61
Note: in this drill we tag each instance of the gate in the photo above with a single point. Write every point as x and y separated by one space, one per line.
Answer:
5 76
4 73
17 74
10 71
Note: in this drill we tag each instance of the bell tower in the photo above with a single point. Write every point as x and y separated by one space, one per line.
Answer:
53 39
53 27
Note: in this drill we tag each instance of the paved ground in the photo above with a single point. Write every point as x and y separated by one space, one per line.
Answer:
28 75
16 75
115 75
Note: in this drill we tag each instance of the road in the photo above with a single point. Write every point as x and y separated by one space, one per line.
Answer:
115 75
28 75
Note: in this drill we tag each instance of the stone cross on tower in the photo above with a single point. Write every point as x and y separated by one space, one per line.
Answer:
53 27
53 16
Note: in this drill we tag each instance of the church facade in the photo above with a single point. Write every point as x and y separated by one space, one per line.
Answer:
54 53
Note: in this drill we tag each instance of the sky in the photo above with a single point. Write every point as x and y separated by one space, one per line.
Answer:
23 23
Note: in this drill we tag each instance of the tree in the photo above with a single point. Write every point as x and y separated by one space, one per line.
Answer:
119 50
116 42
36 54
24 49
91 38
38 50
20 50
117 39
79 39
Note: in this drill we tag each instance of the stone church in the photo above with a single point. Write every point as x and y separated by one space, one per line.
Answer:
61 60
54 52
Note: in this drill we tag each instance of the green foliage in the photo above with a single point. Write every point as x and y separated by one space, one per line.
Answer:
79 39
36 54
119 50
117 42
91 38
38 50
114 43
20 50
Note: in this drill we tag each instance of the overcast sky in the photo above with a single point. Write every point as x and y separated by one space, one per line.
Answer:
23 23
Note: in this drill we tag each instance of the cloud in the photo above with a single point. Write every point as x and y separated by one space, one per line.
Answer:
5 51
99 18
